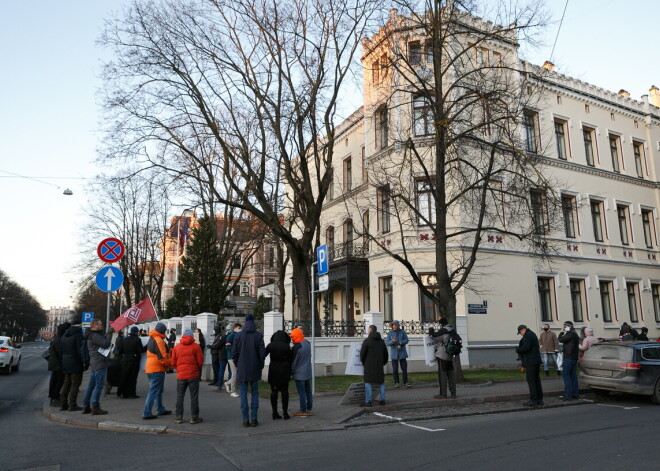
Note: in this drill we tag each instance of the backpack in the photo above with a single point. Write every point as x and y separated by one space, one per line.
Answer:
454 344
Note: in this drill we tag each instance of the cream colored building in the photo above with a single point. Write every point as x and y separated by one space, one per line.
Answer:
603 150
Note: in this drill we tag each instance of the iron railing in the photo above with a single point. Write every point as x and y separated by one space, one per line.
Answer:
413 327
328 328
347 250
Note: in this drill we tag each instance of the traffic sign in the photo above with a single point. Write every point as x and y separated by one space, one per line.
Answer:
87 317
110 250
323 282
109 279
322 259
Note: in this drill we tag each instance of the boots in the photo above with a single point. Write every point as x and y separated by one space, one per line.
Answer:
65 406
285 405
55 403
96 410
273 403
74 408
87 410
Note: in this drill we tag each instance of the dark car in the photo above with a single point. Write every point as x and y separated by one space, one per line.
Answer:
630 367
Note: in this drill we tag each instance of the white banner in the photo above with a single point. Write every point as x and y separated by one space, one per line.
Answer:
354 366
429 350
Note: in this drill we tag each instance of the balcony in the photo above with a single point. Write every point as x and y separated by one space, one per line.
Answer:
349 266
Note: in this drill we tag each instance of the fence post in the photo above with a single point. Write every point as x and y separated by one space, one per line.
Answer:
206 322
373 318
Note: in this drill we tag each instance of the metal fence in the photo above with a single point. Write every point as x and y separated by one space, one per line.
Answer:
413 327
328 328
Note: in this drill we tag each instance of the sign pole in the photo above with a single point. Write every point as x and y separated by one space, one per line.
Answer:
313 330
107 314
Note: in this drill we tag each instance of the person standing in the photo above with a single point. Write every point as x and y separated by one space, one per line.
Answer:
131 355
571 343
279 371
446 378
171 340
397 339
530 354
549 349
644 335
301 370
249 354
158 362
588 341
187 359
55 366
98 346
73 364
218 343
230 385
373 356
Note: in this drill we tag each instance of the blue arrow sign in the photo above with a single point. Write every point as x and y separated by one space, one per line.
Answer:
322 259
109 279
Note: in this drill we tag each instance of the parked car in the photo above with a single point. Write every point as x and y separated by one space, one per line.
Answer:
630 367
10 355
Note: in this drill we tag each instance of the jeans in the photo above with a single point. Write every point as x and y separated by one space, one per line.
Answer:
368 392
532 374
304 389
94 388
156 384
546 357
181 386
232 375
222 366
254 406
571 386
404 370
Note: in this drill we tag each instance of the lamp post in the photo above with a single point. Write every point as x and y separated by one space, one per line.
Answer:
190 290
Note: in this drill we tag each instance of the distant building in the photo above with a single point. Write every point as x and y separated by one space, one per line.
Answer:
56 316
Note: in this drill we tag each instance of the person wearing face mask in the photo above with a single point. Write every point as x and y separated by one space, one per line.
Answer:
571 342
549 348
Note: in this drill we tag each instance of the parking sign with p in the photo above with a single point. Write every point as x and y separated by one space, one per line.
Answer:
322 259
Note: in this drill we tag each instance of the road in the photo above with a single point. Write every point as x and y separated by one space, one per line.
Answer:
621 432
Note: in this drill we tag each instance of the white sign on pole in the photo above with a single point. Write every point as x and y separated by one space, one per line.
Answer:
429 350
354 366
323 283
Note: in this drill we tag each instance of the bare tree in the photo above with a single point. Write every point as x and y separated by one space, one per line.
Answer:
247 87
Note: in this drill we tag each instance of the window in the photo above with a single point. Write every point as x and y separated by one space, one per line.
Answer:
648 228
384 65
597 220
638 150
414 53
330 236
425 202
365 232
384 208
560 137
382 128
539 212
331 187
631 289
348 174
236 262
427 309
546 298
363 155
655 293
375 72
386 297
429 52
529 125
348 236
578 304
606 300
568 206
271 257
423 116
614 152
497 59
588 136
622 216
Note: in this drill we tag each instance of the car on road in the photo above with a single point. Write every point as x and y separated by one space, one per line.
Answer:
629 367
10 355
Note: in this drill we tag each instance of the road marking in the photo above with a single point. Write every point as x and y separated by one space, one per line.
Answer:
620 407
408 425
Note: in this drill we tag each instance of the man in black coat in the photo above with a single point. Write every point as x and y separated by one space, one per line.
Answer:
219 341
131 353
374 357
529 351
55 366
74 362
571 349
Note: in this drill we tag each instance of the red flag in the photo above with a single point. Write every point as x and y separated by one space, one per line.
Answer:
142 311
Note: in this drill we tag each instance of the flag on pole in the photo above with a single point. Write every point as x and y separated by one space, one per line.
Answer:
142 311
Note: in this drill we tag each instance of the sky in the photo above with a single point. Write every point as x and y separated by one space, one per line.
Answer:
50 119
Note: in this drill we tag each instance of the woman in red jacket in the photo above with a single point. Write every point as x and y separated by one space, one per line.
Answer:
187 359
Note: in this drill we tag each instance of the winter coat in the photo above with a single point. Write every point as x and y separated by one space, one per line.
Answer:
373 356
199 340
397 349
55 357
529 349
95 342
301 365
249 352
158 355
132 349
442 339
71 346
187 358
279 370
571 342
548 342
171 340
589 340
229 345
218 346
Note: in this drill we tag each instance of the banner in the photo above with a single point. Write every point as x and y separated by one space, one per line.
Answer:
142 311
353 365
429 349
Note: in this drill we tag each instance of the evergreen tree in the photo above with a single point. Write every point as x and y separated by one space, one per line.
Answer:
262 306
201 272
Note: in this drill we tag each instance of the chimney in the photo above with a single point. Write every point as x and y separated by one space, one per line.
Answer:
547 65
624 93
654 96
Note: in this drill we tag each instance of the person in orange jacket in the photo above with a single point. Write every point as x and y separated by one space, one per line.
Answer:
158 362
187 359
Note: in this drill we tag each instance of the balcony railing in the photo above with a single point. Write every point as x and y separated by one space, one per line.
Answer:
328 328
348 250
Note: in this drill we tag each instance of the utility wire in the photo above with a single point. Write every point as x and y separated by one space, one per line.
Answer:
558 30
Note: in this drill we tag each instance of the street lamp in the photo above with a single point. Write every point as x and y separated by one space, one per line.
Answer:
190 290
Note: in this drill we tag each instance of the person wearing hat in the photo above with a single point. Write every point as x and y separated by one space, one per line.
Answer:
73 365
249 353
571 343
187 359
397 339
530 354
97 344
158 362
131 354
301 371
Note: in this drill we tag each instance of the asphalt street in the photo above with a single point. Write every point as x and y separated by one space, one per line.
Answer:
621 432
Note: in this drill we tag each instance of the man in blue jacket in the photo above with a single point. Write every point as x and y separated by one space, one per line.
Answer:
249 353
397 339
530 354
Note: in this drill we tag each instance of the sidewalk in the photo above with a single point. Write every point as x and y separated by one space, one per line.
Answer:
222 413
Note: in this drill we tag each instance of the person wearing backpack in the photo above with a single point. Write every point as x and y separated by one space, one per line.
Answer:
448 344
